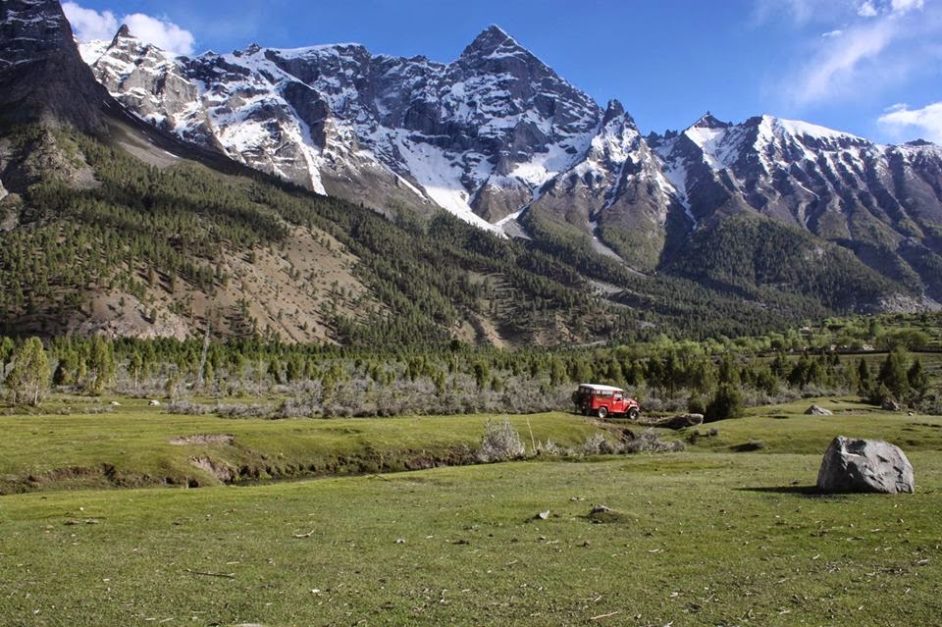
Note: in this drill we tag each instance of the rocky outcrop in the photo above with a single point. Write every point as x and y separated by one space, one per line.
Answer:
856 465
42 76
817 410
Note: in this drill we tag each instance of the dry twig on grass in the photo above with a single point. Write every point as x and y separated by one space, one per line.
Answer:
601 616
209 574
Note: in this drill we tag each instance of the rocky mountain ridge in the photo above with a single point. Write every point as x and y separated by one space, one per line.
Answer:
496 135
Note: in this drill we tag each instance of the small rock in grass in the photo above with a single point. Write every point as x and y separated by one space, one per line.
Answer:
400 540
605 514
154 403
817 410
541 515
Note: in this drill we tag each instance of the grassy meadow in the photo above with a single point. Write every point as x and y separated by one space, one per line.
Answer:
706 536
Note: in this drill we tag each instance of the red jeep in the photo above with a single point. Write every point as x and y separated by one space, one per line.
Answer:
592 399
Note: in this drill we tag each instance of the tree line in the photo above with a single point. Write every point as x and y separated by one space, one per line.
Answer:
712 377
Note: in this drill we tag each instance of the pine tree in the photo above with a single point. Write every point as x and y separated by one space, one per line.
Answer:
102 365
864 382
136 367
918 380
893 374
28 381
727 403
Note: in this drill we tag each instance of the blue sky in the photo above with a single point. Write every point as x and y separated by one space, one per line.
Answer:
871 67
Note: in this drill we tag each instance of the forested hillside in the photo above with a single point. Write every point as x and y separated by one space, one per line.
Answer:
144 250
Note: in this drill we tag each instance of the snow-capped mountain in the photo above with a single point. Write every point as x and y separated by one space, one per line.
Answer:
477 136
499 139
762 220
794 171
883 202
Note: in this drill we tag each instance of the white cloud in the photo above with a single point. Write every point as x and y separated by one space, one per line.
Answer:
89 25
860 50
837 65
904 6
798 12
873 8
867 9
161 33
928 120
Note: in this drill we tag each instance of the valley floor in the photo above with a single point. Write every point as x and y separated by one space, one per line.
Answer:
707 536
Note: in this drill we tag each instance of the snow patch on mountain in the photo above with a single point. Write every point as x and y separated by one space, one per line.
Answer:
441 179
91 51
799 128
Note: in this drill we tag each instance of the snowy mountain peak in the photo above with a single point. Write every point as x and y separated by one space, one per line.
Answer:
772 126
500 140
614 109
124 31
490 40
708 120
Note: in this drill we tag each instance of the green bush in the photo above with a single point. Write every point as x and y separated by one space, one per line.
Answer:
727 403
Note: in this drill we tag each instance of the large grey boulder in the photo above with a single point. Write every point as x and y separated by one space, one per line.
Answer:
856 465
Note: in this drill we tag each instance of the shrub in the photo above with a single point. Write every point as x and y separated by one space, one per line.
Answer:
501 442
188 408
727 403
549 448
597 444
695 405
650 442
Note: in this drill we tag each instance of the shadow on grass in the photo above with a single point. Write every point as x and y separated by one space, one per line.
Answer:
801 490
748 447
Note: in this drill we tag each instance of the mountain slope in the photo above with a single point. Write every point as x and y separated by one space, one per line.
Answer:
500 140
121 229
884 203
196 201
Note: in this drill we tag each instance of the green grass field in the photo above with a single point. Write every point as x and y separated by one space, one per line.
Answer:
707 536
138 446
